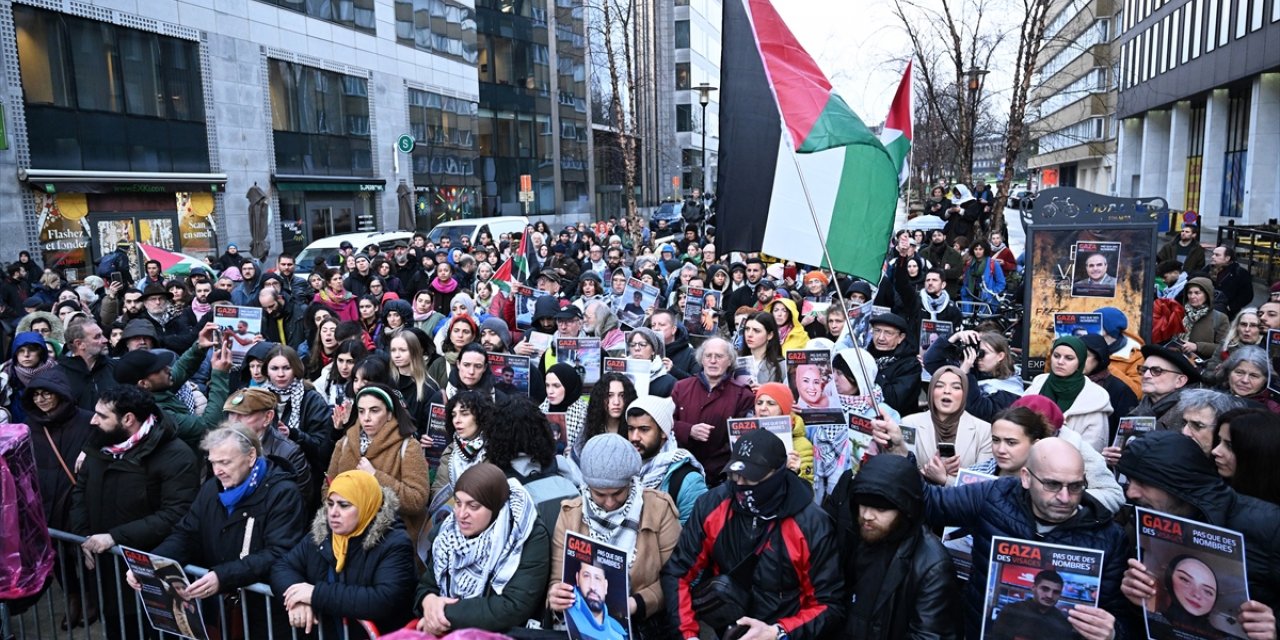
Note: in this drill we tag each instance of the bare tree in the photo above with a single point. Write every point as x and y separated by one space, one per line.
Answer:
1030 43
618 23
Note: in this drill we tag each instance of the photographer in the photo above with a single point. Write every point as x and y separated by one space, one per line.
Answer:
986 360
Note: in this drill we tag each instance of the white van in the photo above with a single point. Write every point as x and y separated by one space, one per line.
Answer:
472 227
327 248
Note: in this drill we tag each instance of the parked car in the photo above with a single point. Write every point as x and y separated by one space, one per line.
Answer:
1019 197
472 227
671 213
327 248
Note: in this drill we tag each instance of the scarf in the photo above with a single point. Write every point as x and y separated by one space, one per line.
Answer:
466 454
328 297
655 469
1193 316
200 308
933 306
291 398
187 395
1063 391
832 454
232 497
973 278
465 567
441 286
945 428
763 500
117 450
619 527
26 374
863 404
657 368
361 489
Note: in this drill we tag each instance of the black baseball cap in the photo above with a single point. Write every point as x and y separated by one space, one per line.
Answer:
756 454
136 365
570 312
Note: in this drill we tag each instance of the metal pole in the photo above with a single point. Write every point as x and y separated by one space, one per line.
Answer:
703 181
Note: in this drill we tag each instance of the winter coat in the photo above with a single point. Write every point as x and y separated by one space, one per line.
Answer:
315 434
656 539
684 362
207 536
69 429
950 263
398 465
1125 362
520 600
698 402
1089 415
919 598
376 581
139 497
192 427
992 283
797 338
796 581
1003 508
289 456
684 483
898 375
11 388
1194 262
1161 410
286 325
87 384
1210 330
1236 286
973 438
1163 460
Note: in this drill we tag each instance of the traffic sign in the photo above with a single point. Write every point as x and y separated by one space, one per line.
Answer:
526 196
526 182
405 143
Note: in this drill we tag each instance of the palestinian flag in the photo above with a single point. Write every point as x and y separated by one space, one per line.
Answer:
785 130
896 135
515 270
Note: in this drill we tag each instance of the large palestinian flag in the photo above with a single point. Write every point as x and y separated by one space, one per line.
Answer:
784 130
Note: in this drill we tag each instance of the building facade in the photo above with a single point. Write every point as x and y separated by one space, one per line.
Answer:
1199 106
696 41
1073 98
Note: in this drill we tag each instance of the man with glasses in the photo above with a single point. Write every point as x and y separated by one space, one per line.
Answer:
1165 373
1200 410
899 367
704 404
1046 503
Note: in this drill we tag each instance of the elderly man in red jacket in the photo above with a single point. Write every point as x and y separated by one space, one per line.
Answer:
704 404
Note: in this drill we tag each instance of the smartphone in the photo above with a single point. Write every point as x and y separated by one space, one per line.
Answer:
116 276
947 449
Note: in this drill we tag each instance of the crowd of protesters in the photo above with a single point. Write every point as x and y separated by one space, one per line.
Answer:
308 465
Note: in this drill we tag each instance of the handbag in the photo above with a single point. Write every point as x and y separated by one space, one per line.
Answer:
721 600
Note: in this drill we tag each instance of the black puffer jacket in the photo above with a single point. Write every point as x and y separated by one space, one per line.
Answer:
684 364
86 384
797 581
918 595
208 537
1172 462
68 427
140 496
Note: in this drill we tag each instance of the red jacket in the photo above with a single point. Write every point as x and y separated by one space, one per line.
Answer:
696 402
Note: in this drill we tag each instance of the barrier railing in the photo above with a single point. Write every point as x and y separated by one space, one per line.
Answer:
1257 248
251 613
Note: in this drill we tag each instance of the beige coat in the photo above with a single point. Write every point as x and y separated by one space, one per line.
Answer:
1088 416
973 439
659 531
398 465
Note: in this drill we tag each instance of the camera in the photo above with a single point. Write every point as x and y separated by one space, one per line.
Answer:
959 350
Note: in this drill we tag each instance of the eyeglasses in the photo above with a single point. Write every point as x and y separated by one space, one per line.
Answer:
891 333
1155 372
1055 486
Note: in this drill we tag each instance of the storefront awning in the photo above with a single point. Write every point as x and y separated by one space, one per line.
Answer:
73 181
327 183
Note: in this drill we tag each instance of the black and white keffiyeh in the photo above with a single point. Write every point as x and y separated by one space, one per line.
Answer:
655 469
466 454
465 567
619 527
290 403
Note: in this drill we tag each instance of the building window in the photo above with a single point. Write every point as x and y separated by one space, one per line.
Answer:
682 34
99 97
445 158
1236 153
684 118
443 27
1195 156
320 120
682 76
353 14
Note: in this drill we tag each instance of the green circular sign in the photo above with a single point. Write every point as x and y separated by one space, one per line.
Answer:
405 143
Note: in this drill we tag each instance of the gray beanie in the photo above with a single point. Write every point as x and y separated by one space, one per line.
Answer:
662 410
609 461
655 341
499 327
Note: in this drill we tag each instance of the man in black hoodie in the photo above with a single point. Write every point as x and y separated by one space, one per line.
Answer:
1168 472
898 577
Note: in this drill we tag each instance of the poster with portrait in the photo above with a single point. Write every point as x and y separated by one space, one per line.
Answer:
559 427
959 540
1096 265
1032 585
810 377
1131 427
1200 577
1273 352
525 299
584 355
702 311
1062 219
601 593
240 326
858 323
163 595
1076 324
744 370
932 331
635 302
777 425
510 372
436 434
635 370
862 439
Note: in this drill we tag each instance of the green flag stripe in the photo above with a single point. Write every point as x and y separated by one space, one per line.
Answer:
837 126
863 218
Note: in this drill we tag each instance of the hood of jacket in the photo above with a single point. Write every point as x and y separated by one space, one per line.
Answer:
894 479
1206 285
791 307
373 534
545 307
25 325
257 352
53 381
851 357
399 306
1174 463
33 338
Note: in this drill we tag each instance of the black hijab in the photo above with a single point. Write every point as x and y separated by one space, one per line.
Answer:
572 381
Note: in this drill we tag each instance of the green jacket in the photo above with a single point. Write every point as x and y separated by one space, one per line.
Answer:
191 428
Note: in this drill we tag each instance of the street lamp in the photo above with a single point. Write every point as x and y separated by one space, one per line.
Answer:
704 97
975 75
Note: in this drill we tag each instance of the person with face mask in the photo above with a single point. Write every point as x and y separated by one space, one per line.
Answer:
769 543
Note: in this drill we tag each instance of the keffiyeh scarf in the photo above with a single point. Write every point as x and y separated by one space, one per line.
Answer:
655 469
466 454
619 527
933 306
117 450
291 398
465 567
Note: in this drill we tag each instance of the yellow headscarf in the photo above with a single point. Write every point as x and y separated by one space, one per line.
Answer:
361 489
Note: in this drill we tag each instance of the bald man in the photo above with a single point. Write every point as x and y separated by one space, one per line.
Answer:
1048 503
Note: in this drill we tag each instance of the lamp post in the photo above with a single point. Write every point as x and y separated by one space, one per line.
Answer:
704 97
975 75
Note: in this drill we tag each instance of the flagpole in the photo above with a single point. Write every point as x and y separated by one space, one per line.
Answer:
822 240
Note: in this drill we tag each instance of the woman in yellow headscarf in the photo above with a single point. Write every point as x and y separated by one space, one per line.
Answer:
356 565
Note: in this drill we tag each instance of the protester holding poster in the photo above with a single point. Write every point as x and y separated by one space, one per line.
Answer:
774 399
1062 578
812 382
948 437
162 587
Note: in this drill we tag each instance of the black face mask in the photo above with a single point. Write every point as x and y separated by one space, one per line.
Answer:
763 500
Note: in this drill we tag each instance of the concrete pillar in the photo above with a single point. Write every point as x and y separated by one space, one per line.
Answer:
1155 155
1262 172
1215 148
1129 158
1179 137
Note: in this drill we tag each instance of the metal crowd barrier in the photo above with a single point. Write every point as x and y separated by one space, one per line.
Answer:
120 614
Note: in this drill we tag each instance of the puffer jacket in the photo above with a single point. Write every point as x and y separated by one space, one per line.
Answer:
69 428
376 582
1089 415
796 582
797 338
1172 462
139 497
919 598
272 517
1125 362
1003 508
